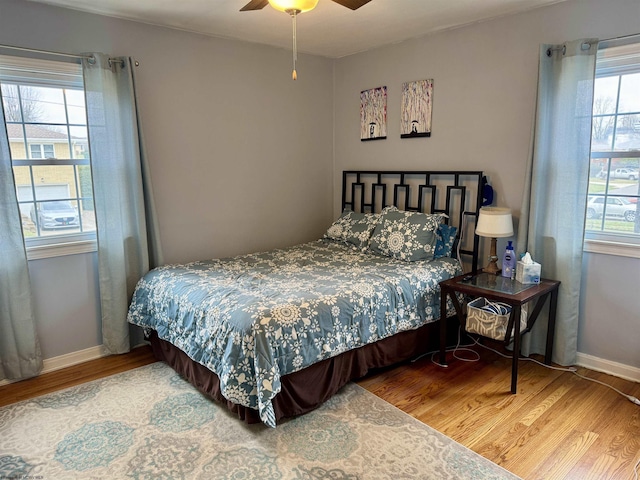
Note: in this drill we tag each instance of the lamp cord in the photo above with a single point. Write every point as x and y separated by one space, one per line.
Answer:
573 370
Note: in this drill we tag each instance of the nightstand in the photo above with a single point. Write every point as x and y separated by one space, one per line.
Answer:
511 292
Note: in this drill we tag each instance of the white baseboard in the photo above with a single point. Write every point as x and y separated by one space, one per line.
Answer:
607 366
68 360
73 358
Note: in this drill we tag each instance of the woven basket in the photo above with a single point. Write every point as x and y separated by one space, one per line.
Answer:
489 324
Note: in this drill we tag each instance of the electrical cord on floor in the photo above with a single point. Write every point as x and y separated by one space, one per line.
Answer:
573 370
455 349
475 342
465 348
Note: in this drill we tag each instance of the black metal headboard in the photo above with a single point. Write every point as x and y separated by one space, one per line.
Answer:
458 194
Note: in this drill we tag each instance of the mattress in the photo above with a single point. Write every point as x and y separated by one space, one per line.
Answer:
253 318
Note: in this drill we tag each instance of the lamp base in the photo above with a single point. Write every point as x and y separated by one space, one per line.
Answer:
492 267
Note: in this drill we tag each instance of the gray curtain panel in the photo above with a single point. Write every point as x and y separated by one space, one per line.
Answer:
19 348
554 201
128 243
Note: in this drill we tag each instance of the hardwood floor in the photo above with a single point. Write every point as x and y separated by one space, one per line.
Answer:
558 426
68 377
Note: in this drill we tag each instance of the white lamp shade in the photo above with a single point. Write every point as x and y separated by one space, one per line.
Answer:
494 222
298 5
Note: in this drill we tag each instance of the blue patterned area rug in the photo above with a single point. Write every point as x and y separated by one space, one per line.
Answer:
149 423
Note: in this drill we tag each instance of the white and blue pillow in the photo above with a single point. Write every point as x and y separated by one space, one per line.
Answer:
408 236
446 240
353 228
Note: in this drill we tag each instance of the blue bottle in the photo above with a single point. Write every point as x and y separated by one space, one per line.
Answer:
509 262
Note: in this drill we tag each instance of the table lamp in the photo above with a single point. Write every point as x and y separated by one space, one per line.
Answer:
494 222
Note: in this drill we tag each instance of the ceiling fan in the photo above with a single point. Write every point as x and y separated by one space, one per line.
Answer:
293 8
260 4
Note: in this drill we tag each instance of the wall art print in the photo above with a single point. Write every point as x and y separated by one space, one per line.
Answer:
373 114
417 100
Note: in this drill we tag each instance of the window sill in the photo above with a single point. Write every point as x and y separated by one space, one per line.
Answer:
612 248
61 249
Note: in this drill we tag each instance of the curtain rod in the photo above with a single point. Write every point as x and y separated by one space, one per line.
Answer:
68 55
47 52
618 41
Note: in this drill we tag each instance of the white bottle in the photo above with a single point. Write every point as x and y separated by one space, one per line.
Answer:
509 262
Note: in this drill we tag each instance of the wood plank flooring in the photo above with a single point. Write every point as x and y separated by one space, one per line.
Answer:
68 377
558 426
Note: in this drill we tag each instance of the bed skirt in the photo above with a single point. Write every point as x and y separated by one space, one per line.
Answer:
306 389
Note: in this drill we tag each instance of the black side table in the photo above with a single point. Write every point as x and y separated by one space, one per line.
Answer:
511 292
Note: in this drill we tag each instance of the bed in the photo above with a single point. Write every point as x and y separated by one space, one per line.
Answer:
275 334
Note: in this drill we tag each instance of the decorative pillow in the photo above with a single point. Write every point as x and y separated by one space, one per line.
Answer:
408 236
353 228
390 208
446 237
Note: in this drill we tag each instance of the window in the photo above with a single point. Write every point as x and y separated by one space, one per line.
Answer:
613 206
38 150
46 123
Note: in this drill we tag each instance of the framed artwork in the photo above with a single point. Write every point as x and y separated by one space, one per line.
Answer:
373 114
415 116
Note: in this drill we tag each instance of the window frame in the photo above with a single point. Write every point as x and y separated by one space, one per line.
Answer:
21 71
602 241
41 150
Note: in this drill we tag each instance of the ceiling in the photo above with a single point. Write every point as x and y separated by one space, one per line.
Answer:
330 30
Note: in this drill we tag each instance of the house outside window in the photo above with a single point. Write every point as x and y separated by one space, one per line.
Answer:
45 117
613 206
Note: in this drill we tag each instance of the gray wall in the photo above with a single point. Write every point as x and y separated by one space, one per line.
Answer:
240 155
485 79
609 324
234 144
67 307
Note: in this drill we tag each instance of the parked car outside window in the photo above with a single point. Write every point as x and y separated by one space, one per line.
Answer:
55 214
618 173
616 207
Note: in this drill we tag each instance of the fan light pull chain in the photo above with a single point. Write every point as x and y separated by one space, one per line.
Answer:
294 75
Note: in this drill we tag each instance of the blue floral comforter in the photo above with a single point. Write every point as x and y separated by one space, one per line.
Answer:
252 318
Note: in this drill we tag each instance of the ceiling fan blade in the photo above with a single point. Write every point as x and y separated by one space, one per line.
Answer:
255 5
352 4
